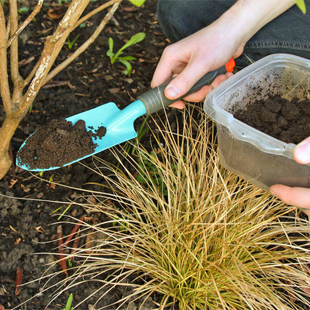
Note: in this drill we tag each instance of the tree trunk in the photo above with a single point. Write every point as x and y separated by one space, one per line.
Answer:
6 133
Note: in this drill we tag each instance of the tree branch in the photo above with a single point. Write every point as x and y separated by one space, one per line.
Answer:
15 76
32 73
86 44
4 82
52 47
26 22
8 28
93 12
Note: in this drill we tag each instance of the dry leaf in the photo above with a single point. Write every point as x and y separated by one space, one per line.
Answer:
55 13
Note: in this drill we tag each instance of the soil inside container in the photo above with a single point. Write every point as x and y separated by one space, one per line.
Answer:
57 143
285 120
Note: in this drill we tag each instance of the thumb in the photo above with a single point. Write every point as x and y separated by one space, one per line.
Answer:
181 84
302 152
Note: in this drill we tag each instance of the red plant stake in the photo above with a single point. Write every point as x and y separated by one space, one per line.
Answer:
61 250
19 280
74 230
75 246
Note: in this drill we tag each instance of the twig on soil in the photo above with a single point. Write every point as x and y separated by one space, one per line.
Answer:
25 62
61 251
53 84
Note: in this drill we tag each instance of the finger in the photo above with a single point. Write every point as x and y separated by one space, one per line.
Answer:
178 104
220 79
199 95
168 64
302 152
185 80
295 196
204 91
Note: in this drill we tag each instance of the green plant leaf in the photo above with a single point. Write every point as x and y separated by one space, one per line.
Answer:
71 43
128 58
23 10
137 2
69 303
128 66
301 4
110 51
111 43
133 40
110 54
138 37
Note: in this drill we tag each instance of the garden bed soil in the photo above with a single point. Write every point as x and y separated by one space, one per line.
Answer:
285 120
26 224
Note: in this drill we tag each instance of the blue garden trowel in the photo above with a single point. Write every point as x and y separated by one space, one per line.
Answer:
119 124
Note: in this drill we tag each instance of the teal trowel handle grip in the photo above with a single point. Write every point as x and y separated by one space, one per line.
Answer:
154 100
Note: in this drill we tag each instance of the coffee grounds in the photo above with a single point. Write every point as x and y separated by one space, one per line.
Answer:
278 117
58 143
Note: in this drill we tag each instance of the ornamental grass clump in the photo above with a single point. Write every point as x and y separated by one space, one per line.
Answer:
209 240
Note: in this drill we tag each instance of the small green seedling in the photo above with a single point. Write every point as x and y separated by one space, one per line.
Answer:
69 262
124 60
24 9
63 213
69 303
71 43
137 2
51 178
301 4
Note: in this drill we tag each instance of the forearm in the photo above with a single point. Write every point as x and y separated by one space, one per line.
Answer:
246 17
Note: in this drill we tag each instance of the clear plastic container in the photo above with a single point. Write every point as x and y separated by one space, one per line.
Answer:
256 156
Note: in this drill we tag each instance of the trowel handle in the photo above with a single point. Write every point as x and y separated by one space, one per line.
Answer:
154 100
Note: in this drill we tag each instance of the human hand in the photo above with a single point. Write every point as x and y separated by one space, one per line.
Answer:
194 56
296 196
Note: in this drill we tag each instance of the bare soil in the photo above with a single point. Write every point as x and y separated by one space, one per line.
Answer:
26 225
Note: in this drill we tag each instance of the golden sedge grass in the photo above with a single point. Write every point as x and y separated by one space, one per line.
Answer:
191 231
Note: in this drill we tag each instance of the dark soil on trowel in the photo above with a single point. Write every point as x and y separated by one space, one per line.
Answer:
58 143
285 120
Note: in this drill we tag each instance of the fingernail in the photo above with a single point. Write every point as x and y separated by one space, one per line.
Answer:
273 191
172 92
302 152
